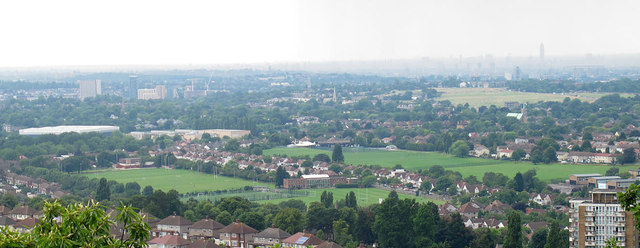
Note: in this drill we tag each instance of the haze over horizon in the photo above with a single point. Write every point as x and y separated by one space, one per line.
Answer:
81 33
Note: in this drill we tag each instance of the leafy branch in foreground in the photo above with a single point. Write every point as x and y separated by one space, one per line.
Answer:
81 225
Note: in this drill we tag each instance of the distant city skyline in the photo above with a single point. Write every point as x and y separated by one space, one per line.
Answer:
81 33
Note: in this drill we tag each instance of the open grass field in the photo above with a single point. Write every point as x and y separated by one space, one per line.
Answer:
183 181
477 97
365 196
414 160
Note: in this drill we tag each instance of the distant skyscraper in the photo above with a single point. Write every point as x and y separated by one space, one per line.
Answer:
133 87
89 88
517 74
541 51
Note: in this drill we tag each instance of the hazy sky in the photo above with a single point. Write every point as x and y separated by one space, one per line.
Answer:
45 32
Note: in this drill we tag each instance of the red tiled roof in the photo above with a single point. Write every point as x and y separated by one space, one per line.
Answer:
170 240
303 239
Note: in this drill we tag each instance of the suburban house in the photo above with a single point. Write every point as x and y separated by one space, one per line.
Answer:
201 243
26 225
205 229
542 199
6 221
470 209
169 241
497 207
505 153
302 240
269 237
591 158
172 225
24 212
237 234
480 151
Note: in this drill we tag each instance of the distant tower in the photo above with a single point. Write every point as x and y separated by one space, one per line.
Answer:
335 99
517 74
541 51
133 87
89 88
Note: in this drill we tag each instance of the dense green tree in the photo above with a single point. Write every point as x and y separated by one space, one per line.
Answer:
320 217
393 217
327 199
337 156
132 188
518 182
513 238
485 237
341 232
224 218
368 181
322 158
252 219
518 154
539 238
294 203
426 225
362 230
103 193
459 149
494 179
350 200
147 191
553 238
281 174
613 171
628 156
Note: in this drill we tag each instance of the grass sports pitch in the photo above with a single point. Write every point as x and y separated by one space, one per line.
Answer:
414 160
181 180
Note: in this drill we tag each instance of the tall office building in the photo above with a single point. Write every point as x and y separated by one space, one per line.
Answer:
89 88
593 222
133 87
541 51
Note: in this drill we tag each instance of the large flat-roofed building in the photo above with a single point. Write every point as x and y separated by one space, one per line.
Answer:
594 221
90 88
621 183
159 92
67 129
601 182
581 179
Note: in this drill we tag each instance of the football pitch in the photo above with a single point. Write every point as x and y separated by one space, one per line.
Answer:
414 160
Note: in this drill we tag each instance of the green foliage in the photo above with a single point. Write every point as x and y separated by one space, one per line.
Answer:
392 218
327 199
103 193
281 174
553 238
337 156
426 225
629 201
9 200
539 238
459 149
513 238
350 200
81 225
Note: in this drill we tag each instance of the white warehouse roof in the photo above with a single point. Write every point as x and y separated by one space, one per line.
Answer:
66 129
